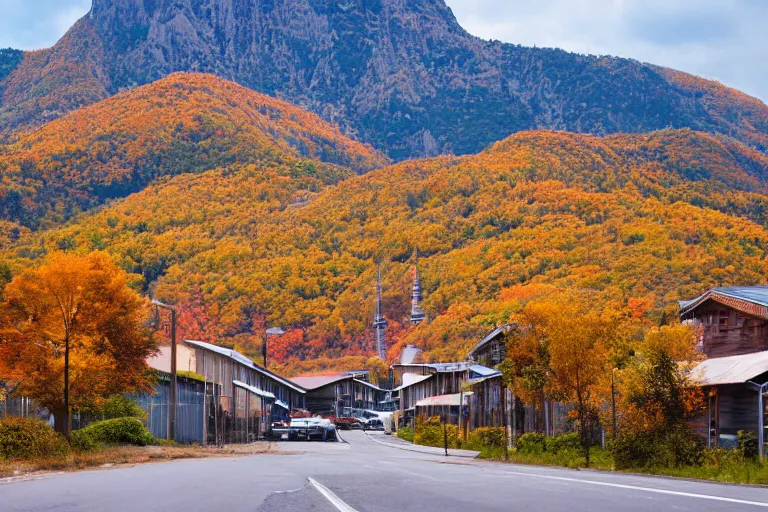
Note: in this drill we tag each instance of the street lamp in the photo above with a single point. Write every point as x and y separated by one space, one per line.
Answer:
174 377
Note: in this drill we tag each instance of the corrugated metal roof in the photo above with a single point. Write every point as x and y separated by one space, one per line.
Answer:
319 380
440 367
752 294
240 358
730 370
484 370
311 382
409 379
443 400
254 390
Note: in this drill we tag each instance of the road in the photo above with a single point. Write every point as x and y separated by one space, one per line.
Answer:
364 476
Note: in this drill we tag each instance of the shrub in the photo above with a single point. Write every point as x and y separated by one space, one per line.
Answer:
486 437
661 448
748 444
532 443
24 438
119 406
564 443
429 432
405 433
115 431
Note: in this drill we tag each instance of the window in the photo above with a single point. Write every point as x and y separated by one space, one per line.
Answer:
723 318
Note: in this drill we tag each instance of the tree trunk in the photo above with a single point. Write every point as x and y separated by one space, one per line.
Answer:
58 417
66 425
582 420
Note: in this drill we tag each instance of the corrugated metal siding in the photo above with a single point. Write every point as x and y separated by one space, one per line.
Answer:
190 416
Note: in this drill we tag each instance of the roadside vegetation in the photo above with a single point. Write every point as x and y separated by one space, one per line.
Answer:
29 445
679 458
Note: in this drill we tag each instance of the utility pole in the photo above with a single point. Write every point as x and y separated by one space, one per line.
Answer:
174 375
613 402
506 424
445 434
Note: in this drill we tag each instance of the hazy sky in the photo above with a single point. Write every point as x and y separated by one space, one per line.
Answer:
722 39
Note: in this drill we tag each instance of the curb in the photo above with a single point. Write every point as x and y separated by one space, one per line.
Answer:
412 448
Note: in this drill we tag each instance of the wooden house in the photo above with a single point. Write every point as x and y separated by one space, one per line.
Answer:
730 321
732 329
243 399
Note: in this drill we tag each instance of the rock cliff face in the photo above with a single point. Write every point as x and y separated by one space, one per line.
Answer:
401 74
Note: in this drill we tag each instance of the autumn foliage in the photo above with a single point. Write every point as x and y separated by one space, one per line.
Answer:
635 221
186 123
84 303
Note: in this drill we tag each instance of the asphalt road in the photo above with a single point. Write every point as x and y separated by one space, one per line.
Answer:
366 477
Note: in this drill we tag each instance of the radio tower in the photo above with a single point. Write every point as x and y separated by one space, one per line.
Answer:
379 322
417 313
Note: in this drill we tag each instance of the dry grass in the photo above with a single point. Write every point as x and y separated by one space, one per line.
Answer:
127 455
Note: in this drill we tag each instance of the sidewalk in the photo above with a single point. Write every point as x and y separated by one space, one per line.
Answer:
395 442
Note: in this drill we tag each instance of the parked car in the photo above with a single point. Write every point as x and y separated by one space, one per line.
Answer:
347 423
373 424
308 429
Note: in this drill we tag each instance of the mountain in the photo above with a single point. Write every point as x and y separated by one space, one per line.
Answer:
642 220
185 123
402 75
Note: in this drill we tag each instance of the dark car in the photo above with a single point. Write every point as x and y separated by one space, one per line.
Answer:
308 429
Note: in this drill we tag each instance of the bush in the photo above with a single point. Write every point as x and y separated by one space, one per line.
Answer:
564 443
532 443
748 444
485 437
661 448
119 406
115 431
25 438
429 432
405 433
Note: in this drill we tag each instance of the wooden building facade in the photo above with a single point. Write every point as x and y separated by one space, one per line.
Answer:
342 394
732 329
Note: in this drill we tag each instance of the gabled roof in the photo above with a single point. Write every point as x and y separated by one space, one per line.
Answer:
409 379
484 371
752 300
443 400
240 358
730 370
439 367
312 382
496 332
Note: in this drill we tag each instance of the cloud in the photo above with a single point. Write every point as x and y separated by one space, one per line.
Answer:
35 24
725 40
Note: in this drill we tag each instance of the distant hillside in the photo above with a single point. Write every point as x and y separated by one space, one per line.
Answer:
631 219
186 123
402 75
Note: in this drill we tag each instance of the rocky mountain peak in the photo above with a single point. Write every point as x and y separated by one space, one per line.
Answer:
400 74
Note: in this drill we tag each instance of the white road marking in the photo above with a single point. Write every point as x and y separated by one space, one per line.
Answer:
367 466
645 489
335 500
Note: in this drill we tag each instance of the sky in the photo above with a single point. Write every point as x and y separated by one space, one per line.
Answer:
726 40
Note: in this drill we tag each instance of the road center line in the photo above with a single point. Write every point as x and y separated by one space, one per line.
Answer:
644 489
330 496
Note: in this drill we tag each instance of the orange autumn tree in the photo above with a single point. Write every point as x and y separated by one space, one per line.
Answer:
578 341
73 332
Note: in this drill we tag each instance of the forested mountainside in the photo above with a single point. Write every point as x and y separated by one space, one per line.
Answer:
185 123
402 75
634 220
